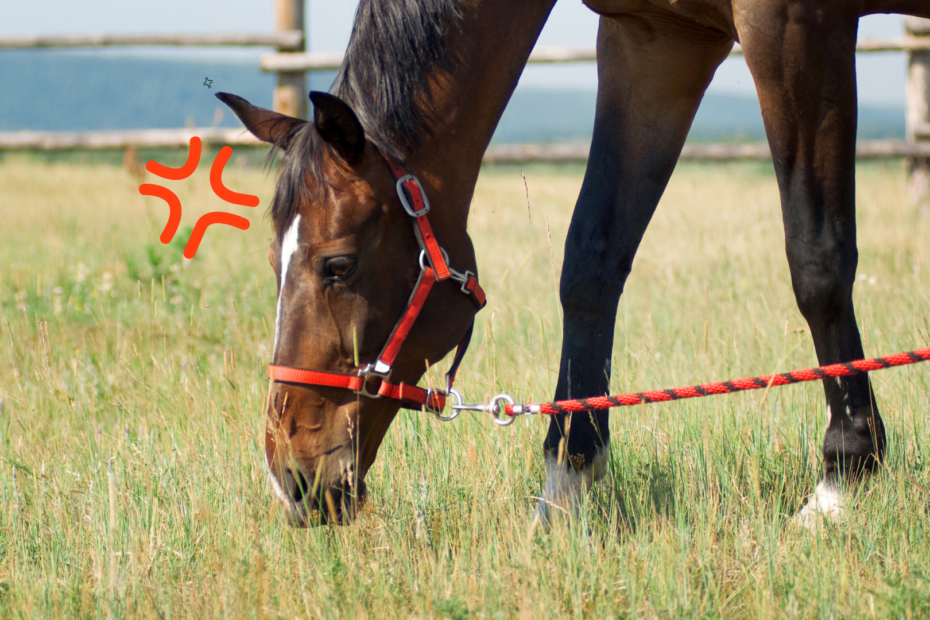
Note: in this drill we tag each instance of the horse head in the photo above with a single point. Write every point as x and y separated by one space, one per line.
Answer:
347 261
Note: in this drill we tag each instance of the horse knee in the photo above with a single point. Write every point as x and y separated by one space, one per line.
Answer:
592 289
823 282
854 444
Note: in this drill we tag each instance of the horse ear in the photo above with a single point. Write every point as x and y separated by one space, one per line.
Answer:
338 125
264 124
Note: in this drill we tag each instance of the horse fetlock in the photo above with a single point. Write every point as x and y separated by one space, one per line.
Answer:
822 281
567 482
854 445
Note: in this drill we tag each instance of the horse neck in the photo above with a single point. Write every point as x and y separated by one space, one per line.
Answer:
492 47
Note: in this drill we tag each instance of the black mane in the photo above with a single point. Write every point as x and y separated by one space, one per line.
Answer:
396 45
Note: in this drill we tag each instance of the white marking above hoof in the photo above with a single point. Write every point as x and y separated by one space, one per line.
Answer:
826 504
566 486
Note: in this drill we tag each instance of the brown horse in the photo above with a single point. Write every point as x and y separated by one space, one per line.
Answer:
422 88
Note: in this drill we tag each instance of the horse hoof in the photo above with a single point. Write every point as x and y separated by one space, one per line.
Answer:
826 504
543 516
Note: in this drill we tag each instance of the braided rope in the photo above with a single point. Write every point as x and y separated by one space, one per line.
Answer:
844 369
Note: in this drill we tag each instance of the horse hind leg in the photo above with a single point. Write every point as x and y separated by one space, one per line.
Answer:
652 72
802 58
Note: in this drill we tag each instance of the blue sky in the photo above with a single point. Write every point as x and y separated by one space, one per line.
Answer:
881 76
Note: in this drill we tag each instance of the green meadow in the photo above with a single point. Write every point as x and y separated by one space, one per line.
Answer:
132 476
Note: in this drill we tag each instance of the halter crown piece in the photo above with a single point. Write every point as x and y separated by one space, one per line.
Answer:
372 380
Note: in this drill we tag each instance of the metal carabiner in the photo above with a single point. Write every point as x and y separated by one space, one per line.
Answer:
497 412
494 408
470 407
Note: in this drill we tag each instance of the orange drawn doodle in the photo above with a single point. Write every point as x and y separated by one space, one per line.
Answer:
217 217
174 203
216 183
176 174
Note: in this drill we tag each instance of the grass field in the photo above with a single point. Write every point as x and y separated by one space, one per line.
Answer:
132 481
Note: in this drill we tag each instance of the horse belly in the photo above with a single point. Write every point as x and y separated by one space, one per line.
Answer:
917 8
717 14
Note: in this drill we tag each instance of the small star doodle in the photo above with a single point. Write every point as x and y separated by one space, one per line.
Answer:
207 82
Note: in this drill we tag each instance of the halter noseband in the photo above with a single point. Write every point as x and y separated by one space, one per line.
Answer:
372 380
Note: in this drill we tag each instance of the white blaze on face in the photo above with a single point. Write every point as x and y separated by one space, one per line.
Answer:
288 247
278 491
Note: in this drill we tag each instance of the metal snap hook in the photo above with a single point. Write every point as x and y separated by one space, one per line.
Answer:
496 409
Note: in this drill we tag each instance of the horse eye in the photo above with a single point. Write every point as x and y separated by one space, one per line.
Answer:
339 267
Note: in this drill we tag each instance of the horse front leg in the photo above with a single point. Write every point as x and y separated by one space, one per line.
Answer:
652 75
802 57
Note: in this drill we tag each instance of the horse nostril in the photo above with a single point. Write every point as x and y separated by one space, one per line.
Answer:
295 485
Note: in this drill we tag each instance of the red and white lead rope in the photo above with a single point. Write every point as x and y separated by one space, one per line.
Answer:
504 404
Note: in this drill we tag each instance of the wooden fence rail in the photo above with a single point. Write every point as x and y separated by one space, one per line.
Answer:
291 62
497 154
330 61
868 149
96 140
285 40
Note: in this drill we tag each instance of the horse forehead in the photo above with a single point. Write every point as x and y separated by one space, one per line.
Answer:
338 211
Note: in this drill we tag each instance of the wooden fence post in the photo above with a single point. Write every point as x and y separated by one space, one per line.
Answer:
918 113
290 93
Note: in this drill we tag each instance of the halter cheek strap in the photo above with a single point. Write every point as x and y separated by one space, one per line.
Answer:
372 380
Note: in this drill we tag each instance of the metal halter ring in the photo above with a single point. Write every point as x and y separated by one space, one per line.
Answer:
424 258
496 409
455 412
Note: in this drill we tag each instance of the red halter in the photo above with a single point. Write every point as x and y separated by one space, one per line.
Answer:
372 380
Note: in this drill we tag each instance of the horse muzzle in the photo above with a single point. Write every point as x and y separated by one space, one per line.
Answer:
312 499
